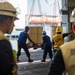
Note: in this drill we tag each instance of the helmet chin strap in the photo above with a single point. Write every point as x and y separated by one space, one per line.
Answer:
11 28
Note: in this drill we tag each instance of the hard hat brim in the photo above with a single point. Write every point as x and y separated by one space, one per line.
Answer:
9 14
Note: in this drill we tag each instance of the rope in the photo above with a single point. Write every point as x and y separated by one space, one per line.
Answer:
31 10
39 5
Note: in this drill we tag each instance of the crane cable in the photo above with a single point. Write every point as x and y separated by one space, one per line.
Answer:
40 10
31 10
57 1
32 7
54 11
59 10
39 5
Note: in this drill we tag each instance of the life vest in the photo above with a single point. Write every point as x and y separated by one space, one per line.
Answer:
68 53
14 71
58 40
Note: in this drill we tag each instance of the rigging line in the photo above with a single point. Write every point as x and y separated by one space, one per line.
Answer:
59 9
32 7
46 1
39 5
59 12
55 9
54 12
31 10
65 4
52 4
58 5
56 1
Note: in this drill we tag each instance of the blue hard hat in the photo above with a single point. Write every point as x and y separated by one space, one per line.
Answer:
43 32
27 28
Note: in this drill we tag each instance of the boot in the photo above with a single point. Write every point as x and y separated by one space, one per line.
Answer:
43 60
30 60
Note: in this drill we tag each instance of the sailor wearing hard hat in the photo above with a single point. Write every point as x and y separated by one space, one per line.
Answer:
7 60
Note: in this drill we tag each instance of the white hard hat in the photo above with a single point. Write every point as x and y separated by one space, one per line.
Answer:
7 9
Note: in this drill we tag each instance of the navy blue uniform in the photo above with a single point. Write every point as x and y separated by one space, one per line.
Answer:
47 46
22 44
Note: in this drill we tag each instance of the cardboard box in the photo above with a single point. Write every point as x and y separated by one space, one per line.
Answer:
36 34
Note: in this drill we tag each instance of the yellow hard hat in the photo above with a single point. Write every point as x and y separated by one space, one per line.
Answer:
7 9
59 29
